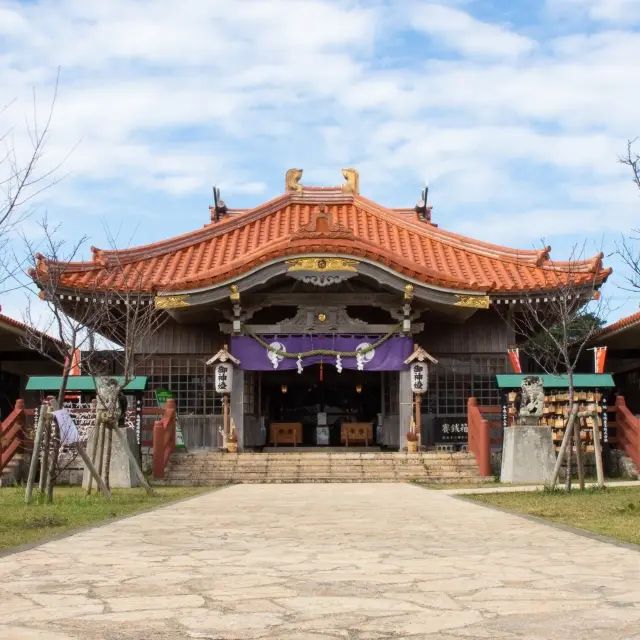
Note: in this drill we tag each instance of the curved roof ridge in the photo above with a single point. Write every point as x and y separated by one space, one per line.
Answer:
540 257
454 239
291 223
160 247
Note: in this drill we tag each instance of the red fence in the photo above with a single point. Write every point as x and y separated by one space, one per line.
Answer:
479 437
164 438
628 431
12 434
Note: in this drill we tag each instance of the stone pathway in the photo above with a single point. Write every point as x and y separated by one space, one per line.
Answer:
320 562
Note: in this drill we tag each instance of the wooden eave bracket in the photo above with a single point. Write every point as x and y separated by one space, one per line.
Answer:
223 356
421 355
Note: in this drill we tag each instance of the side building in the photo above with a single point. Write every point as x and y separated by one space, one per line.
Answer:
296 287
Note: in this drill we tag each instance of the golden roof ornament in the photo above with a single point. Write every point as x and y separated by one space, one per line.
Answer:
352 184
292 180
473 302
172 302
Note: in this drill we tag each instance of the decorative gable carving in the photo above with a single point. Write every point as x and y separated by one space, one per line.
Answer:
322 226
322 319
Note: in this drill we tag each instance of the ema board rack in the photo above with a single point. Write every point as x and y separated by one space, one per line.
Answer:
589 394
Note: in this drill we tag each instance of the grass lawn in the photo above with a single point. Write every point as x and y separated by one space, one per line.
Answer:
71 509
614 511
492 484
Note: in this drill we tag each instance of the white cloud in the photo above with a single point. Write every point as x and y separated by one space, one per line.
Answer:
166 98
458 30
604 10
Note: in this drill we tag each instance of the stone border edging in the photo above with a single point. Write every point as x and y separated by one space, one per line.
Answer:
101 523
598 537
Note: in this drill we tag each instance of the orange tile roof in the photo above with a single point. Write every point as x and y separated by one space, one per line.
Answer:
6 321
616 327
322 220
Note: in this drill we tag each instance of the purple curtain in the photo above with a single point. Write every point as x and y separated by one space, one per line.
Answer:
389 356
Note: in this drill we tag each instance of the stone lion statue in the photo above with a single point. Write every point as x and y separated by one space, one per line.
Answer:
532 403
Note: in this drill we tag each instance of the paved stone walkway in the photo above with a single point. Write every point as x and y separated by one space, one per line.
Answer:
297 562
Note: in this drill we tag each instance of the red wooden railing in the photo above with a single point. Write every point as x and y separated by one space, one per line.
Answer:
164 438
628 431
12 436
479 437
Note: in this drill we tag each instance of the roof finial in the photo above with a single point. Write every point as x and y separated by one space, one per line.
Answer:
353 181
292 179
219 207
421 208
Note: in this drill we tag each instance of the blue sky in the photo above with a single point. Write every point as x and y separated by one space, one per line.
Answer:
515 112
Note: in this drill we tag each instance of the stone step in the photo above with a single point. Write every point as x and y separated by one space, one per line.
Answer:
213 481
211 468
427 455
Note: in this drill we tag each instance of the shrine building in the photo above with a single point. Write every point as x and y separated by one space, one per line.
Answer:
322 296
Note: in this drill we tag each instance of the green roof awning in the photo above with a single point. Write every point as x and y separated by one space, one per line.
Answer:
80 383
580 381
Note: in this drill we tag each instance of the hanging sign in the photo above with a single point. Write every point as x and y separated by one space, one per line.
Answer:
599 356
419 377
162 395
224 377
514 358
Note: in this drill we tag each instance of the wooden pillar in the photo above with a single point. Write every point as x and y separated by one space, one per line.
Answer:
406 407
418 417
237 405
225 415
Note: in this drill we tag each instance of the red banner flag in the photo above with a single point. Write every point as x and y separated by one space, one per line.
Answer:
514 357
599 356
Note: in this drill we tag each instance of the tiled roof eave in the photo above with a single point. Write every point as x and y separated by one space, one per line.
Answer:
323 246
617 327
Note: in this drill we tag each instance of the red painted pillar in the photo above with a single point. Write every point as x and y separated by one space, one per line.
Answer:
484 447
158 449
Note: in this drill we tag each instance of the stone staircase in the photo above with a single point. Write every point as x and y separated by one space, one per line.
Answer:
212 468
14 471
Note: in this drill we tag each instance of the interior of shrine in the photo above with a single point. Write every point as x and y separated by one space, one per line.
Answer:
322 400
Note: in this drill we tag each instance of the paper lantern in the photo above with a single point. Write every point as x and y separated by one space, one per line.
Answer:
224 377
419 377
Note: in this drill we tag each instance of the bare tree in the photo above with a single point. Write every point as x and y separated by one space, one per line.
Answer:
110 320
627 248
69 328
21 176
554 327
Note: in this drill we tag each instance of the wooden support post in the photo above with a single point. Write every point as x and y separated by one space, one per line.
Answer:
225 417
563 447
418 405
93 471
102 427
576 437
33 466
46 446
598 451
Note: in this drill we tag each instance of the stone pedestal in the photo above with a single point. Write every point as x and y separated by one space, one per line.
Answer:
122 474
527 454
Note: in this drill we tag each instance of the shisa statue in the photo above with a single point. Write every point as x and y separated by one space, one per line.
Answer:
532 403
110 403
